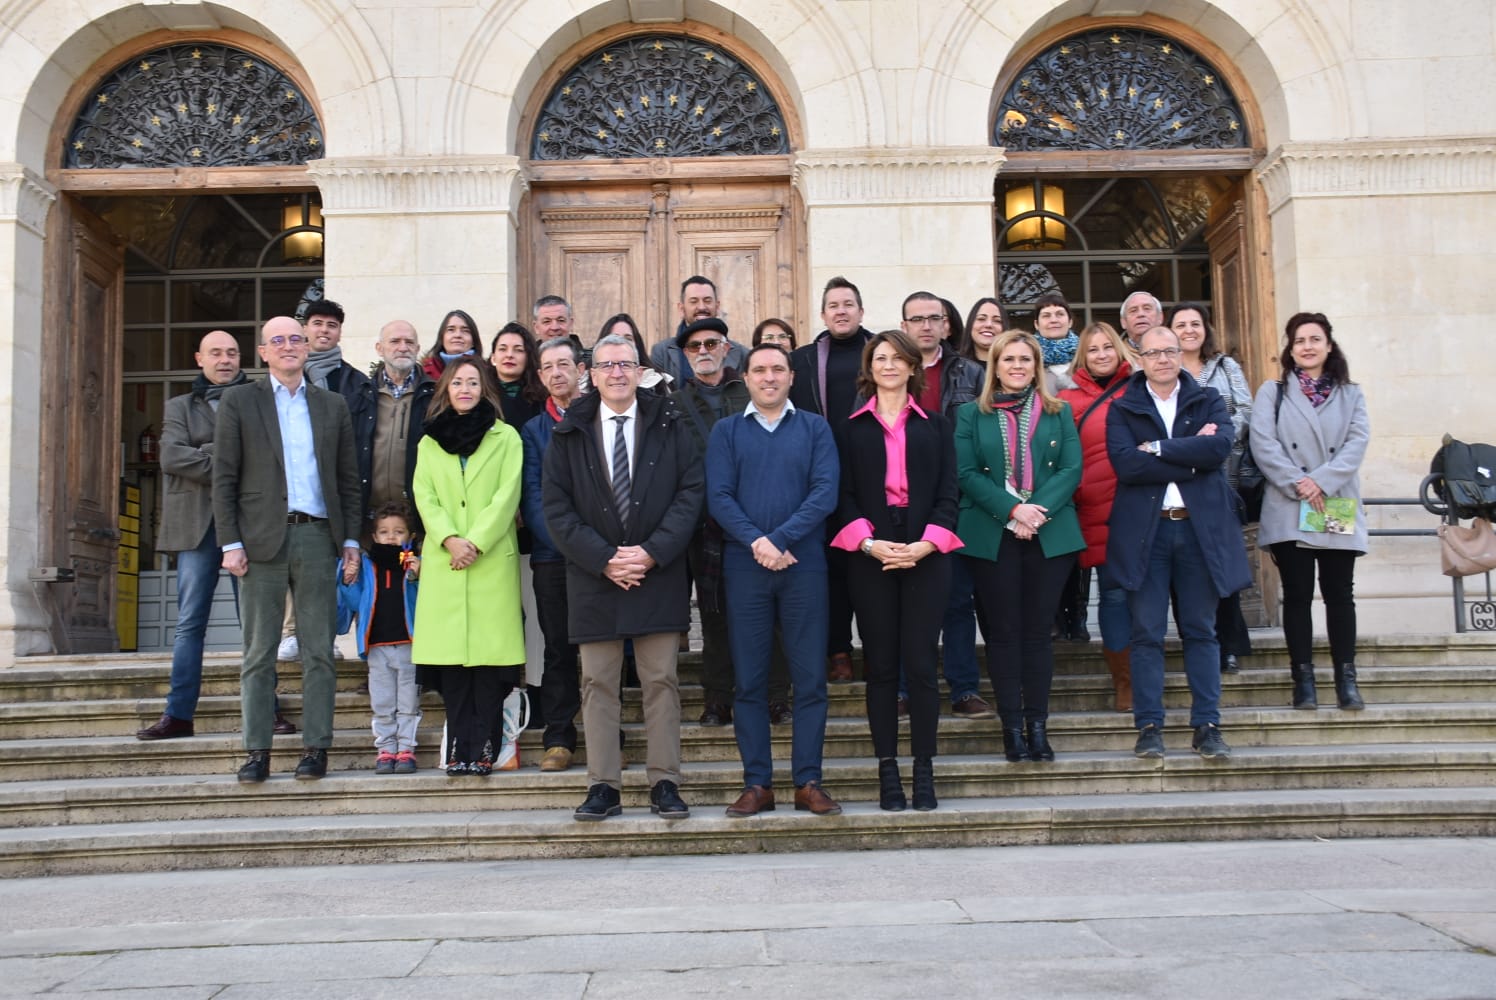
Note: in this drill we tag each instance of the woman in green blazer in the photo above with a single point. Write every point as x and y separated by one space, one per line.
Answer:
1018 458
468 619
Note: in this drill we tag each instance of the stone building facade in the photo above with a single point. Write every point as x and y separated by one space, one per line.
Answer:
421 155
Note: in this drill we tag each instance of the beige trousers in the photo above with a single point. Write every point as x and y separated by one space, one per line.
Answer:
602 673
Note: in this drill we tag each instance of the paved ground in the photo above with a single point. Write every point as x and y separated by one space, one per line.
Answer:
1295 920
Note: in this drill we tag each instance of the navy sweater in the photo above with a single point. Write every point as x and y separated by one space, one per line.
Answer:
782 485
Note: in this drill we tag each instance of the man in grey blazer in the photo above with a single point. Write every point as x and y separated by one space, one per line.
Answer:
286 495
187 524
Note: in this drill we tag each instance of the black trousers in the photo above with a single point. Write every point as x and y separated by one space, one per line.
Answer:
1337 584
475 699
561 679
839 600
1017 596
899 614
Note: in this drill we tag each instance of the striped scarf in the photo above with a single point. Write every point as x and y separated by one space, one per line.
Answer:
1016 410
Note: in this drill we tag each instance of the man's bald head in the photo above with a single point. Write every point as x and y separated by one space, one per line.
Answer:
280 326
218 356
284 348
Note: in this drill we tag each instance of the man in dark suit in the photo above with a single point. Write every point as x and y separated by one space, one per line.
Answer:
286 494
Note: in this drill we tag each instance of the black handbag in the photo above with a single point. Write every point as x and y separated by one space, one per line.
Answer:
1251 485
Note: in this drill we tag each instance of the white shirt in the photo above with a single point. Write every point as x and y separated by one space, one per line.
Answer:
610 434
1167 407
754 413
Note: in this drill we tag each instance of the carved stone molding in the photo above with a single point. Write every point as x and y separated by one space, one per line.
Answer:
25 198
919 176
1370 168
425 185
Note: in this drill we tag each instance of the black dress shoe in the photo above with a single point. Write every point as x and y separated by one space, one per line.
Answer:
313 765
602 801
283 725
665 801
780 713
713 714
1230 664
256 769
165 728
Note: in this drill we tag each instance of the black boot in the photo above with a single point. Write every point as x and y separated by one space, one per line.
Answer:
890 788
1015 747
1080 606
1346 692
1303 686
924 784
1038 740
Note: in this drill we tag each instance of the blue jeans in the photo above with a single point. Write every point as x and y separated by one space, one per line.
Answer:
197 579
1175 559
1111 612
958 636
793 600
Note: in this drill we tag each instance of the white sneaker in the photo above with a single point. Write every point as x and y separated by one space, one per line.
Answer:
289 649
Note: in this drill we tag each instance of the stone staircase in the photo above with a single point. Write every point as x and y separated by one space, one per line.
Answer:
79 794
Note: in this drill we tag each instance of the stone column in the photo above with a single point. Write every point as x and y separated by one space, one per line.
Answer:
894 220
25 200
414 237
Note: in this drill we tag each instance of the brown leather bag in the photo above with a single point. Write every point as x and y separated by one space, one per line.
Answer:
1467 551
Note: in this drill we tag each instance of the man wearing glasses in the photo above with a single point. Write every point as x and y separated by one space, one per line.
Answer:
1173 525
286 496
950 381
622 490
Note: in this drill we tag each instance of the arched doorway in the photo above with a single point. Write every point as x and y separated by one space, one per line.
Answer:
655 155
183 207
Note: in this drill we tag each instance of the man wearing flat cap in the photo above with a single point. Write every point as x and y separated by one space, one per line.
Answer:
698 300
712 390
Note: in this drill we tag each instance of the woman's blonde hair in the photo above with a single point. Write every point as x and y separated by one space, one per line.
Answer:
1124 350
1005 339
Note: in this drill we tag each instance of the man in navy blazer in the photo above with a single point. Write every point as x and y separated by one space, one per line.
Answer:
286 495
1173 524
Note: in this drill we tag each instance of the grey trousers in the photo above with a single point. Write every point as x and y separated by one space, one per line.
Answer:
394 697
307 566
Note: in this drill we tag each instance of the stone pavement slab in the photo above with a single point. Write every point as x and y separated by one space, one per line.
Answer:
285 963
1295 934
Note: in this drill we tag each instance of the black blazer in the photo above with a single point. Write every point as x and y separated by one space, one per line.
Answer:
930 461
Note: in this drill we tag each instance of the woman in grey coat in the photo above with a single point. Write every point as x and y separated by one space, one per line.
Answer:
1310 449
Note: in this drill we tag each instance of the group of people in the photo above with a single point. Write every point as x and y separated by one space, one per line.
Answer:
921 480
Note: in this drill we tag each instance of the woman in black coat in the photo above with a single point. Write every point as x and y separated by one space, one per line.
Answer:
899 520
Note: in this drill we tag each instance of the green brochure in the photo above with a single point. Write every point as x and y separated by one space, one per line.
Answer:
1339 517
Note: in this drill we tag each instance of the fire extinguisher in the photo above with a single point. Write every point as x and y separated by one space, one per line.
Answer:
150 452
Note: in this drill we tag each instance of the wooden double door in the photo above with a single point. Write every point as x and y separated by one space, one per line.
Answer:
627 246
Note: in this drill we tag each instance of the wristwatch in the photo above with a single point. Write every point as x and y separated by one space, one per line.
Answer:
1154 448
866 548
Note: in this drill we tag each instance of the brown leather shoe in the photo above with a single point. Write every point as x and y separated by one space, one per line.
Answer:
556 759
780 713
165 728
754 800
283 726
811 797
839 668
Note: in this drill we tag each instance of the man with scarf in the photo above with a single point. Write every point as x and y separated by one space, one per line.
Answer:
187 524
326 369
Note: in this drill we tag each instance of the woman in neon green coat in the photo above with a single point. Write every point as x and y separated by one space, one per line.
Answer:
468 619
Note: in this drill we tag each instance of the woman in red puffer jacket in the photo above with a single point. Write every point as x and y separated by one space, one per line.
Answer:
1102 363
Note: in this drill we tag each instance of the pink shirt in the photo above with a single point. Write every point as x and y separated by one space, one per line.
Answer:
895 483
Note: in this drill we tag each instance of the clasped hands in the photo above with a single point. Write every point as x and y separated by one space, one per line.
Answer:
628 566
463 552
767 555
899 555
1025 519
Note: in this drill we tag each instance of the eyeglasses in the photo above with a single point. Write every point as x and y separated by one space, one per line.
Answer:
776 338
1159 352
295 340
709 344
621 367
925 320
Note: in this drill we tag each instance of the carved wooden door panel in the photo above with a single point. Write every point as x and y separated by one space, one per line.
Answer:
627 247
80 425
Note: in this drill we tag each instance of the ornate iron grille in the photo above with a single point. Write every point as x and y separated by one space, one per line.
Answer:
658 95
195 105
1119 88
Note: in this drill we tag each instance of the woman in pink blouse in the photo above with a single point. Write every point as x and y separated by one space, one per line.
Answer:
898 508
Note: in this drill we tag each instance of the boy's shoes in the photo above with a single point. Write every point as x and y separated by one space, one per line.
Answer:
482 767
456 768
405 762
384 763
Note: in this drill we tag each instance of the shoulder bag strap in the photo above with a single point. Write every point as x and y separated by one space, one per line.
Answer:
1113 388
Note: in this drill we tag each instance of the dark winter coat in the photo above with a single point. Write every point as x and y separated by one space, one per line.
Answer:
669 487
1194 462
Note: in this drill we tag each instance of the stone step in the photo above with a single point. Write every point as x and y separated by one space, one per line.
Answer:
95 757
711 786
108 676
1255 688
491 835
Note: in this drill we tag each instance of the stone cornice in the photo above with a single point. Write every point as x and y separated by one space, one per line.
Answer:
418 185
25 198
1365 168
900 176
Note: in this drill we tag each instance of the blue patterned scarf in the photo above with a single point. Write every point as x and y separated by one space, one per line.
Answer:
1059 352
